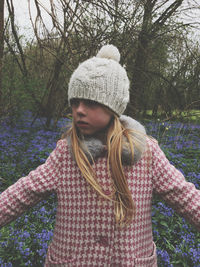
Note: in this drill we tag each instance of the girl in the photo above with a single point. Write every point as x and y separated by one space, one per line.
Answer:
104 171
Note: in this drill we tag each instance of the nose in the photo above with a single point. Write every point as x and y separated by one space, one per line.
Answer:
81 108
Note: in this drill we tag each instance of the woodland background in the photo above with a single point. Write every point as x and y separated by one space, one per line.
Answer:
159 45
157 41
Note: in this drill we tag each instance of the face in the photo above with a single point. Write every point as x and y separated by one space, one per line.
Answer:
89 116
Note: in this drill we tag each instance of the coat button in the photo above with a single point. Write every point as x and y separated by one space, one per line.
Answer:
102 240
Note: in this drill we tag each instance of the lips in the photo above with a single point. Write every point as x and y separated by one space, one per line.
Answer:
82 124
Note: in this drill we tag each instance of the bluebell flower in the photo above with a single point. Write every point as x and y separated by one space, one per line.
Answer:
164 256
23 147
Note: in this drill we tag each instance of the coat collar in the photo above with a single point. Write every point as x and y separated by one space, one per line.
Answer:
94 148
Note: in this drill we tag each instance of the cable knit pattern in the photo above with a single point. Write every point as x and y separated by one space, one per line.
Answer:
101 79
85 230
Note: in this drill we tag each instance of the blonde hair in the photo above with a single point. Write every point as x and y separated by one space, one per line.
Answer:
117 137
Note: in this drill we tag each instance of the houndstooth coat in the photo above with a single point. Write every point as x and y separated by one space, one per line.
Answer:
85 230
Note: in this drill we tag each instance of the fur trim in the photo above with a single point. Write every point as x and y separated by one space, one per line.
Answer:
94 148
139 140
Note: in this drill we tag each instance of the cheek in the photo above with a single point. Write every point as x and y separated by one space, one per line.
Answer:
102 119
74 113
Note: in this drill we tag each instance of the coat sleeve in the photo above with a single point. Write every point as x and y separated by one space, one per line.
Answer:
171 185
29 190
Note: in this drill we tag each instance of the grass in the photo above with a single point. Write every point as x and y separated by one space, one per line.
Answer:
184 116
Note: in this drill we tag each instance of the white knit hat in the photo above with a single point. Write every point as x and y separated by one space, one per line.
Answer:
102 79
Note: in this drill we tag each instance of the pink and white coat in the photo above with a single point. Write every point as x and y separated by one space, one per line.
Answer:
85 231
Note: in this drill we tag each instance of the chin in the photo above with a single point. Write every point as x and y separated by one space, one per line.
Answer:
87 133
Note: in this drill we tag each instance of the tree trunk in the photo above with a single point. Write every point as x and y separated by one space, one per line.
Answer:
140 80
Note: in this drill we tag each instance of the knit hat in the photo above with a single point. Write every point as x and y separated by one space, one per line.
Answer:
102 79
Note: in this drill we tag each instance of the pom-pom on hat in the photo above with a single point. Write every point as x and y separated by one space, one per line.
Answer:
102 79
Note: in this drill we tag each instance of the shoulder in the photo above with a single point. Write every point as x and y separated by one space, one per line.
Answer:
158 157
152 143
62 147
61 143
153 146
